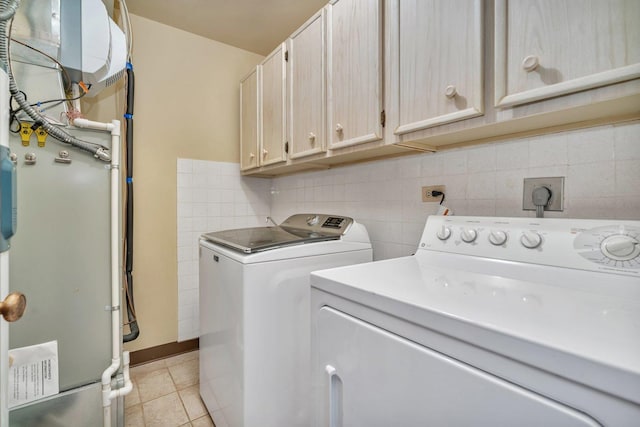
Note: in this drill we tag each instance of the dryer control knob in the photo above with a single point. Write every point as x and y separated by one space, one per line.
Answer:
313 220
620 247
497 237
444 233
468 235
530 239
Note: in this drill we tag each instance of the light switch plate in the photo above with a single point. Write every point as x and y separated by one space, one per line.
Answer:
426 193
555 184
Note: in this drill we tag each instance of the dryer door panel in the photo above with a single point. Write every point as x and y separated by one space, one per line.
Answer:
371 377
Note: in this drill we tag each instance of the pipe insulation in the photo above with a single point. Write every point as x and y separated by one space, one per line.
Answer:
130 307
98 151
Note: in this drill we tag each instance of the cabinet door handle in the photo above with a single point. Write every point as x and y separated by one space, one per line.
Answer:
450 91
312 137
335 396
264 153
530 63
339 128
251 155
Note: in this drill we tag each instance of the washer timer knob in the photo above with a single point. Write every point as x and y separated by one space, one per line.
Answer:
620 247
530 239
497 237
444 233
312 220
468 235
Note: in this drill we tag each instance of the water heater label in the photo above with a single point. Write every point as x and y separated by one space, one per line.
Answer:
33 373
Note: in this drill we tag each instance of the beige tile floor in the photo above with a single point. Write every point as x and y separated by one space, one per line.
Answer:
165 394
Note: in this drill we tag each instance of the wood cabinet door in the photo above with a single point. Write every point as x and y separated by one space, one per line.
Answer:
440 62
249 120
307 92
273 101
548 48
354 64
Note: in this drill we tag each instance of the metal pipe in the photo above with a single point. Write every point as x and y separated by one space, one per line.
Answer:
9 10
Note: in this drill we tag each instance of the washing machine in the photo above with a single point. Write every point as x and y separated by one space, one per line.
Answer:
254 315
493 322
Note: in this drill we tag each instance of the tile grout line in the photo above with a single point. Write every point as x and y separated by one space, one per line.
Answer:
180 398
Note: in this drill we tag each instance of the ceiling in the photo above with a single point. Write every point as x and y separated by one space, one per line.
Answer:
254 25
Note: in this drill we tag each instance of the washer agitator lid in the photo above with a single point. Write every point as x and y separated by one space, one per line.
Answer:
296 230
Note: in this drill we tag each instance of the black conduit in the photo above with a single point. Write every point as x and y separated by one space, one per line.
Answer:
133 322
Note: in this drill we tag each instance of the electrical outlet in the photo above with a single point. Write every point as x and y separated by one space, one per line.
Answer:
427 193
555 184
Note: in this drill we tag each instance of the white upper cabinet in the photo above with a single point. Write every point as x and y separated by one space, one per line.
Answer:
548 48
307 93
249 120
440 62
354 56
273 101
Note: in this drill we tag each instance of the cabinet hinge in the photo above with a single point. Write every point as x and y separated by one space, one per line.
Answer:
383 118
286 55
286 147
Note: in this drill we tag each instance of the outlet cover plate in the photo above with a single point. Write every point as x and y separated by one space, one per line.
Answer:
426 193
555 184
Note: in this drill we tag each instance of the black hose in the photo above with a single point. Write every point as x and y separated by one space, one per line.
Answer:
133 322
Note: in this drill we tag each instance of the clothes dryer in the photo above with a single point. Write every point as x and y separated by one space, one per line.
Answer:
493 322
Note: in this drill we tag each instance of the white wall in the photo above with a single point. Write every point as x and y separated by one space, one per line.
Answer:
601 166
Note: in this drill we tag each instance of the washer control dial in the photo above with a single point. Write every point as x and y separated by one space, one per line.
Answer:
497 237
468 235
444 233
620 247
312 220
530 239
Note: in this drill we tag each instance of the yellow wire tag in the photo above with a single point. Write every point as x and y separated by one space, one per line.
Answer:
25 133
42 136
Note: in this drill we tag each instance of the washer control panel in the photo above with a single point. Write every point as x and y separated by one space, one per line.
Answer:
319 223
598 245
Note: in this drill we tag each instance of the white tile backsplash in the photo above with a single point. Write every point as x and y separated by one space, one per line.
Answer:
513 155
548 150
627 177
601 167
211 196
481 159
626 141
591 146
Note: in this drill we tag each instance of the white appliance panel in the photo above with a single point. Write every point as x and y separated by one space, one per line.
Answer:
254 320
221 324
375 378
558 316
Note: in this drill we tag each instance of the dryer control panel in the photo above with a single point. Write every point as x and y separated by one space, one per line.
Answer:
610 245
597 245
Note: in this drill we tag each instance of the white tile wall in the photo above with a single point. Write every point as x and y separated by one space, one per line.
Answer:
211 196
601 166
